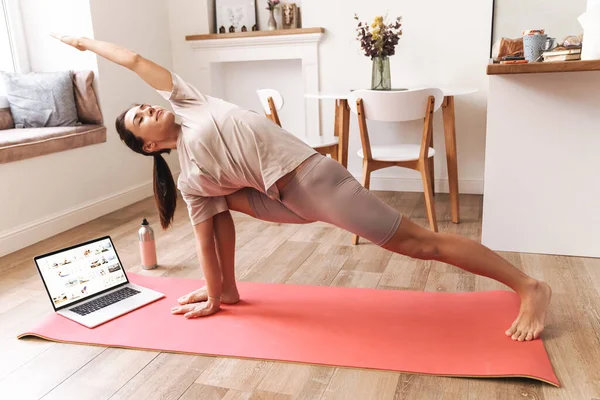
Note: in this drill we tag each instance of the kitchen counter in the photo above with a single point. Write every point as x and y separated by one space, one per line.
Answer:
542 159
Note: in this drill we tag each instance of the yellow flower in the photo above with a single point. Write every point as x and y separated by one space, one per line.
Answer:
378 21
376 33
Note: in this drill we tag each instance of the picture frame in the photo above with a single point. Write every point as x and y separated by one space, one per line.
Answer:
233 16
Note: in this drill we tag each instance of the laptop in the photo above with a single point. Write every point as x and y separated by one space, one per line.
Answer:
87 283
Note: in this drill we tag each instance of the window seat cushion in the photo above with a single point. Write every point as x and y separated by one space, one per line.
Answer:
19 144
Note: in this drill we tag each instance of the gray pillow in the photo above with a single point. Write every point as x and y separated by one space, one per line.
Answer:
40 99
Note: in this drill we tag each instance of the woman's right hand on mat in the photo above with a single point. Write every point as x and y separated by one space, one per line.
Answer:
229 295
194 310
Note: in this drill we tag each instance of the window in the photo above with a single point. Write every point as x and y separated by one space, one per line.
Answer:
13 56
7 60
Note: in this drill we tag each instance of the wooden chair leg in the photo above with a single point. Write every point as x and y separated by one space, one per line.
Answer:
329 151
426 174
344 156
322 150
366 183
334 152
432 175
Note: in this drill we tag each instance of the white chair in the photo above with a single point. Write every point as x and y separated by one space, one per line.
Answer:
272 101
398 106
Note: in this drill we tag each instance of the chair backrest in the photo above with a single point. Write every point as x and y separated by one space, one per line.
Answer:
401 105
264 94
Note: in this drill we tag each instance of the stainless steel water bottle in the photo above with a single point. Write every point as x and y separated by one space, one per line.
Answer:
147 246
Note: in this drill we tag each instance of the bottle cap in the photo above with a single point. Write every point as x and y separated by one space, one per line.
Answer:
144 222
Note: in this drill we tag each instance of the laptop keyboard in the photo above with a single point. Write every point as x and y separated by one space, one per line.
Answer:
104 301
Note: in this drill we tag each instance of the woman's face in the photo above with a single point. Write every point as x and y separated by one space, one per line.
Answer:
151 123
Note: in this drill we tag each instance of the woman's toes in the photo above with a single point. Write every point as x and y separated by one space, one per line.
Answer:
522 336
529 336
516 335
511 331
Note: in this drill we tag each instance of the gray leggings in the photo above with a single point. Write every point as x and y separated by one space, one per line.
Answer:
323 190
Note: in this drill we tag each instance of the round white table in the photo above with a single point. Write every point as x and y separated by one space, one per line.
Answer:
448 91
342 125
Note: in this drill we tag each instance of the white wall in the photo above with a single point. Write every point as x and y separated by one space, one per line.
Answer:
186 17
441 45
55 192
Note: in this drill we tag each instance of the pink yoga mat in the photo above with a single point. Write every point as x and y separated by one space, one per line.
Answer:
449 334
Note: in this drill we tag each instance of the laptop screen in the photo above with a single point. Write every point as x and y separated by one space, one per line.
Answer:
80 272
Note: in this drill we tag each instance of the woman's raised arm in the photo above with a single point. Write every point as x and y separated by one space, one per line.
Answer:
155 75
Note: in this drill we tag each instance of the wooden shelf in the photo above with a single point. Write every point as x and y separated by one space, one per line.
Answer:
543 67
279 32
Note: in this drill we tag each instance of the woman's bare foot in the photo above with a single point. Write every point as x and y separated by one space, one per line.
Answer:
230 295
532 316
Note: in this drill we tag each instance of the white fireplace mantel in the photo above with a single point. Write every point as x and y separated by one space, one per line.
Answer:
302 44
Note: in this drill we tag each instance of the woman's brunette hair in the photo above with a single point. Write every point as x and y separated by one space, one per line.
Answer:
165 191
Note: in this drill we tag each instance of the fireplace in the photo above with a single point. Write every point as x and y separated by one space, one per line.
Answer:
213 50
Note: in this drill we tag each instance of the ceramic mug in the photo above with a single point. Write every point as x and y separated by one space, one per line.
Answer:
532 46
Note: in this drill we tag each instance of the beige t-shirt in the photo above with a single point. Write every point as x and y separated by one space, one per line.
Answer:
223 148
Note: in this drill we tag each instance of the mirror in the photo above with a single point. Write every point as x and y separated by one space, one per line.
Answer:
558 18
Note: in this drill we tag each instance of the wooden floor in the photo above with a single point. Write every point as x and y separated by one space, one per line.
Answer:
306 254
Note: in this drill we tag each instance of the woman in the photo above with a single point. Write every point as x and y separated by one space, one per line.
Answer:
235 159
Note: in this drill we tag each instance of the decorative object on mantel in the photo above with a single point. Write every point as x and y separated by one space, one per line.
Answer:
508 49
562 55
289 16
236 16
568 50
533 42
379 43
271 5
590 22
511 51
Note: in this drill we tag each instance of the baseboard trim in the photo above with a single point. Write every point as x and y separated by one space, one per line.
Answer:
416 185
33 232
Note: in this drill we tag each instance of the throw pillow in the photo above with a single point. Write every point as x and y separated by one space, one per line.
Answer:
39 99
6 121
88 109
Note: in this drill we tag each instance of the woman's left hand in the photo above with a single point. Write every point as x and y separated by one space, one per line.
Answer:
71 41
194 310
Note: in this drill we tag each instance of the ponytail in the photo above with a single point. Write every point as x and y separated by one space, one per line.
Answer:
165 191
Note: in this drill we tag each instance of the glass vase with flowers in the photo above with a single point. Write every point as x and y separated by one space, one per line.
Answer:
378 40
271 5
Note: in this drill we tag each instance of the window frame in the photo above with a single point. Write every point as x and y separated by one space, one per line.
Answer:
18 43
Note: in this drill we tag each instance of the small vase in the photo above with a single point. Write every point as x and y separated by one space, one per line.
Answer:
380 75
272 23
